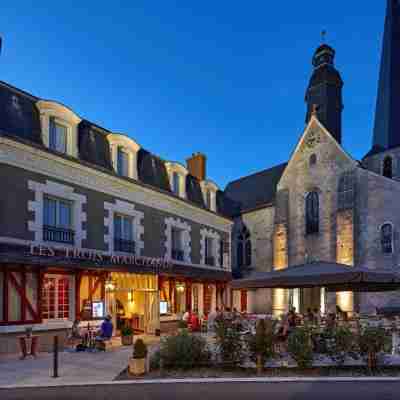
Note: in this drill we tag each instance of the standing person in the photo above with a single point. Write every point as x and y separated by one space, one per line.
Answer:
211 319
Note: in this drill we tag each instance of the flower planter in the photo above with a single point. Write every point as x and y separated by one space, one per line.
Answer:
127 340
137 366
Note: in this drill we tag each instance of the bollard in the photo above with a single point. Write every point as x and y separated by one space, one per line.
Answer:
55 357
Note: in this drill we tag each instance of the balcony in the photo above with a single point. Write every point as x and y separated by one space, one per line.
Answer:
210 261
177 254
125 246
56 234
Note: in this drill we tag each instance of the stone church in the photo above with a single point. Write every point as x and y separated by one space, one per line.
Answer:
324 205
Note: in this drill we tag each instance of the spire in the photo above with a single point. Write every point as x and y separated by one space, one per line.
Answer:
387 115
324 92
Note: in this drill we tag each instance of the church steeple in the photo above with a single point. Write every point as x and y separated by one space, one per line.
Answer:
324 91
387 115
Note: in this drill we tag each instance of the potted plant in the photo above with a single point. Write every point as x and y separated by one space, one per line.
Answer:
371 342
127 335
137 364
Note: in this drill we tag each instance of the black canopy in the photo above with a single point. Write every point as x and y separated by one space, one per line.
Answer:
334 277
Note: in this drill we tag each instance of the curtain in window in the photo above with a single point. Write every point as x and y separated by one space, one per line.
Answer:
65 216
209 247
176 237
387 238
58 136
312 213
175 183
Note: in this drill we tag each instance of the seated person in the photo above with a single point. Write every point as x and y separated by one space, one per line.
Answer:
106 329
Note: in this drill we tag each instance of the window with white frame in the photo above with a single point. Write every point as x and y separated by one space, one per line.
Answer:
58 136
176 183
56 297
123 162
57 220
210 251
177 244
124 234
177 174
209 190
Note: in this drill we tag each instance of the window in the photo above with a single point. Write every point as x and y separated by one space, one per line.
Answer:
55 297
123 234
57 220
58 136
312 213
122 162
387 238
176 182
388 167
244 248
177 245
209 251
208 199
313 160
345 191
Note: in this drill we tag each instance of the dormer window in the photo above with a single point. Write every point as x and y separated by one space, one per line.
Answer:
177 178
209 190
59 127
124 155
58 136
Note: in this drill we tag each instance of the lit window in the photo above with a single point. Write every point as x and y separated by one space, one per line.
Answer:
387 238
123 162
55 297
312 213
388 167
123 234
176 182
58 137
57 220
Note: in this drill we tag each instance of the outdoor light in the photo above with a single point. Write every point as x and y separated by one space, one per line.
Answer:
180 287
130 296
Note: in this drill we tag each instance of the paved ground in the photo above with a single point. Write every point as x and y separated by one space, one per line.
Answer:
217 391
74 367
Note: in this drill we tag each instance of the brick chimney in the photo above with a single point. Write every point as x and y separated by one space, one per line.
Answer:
197 166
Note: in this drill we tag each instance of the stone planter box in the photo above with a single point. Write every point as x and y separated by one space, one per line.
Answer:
137 366
127 340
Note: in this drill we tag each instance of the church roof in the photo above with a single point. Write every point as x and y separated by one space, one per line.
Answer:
387 117
253 191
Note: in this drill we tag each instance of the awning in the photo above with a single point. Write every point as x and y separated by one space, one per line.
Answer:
334 277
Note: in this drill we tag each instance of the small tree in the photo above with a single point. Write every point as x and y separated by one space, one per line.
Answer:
300 347
340 343
371 342
261 345
139 349
229 341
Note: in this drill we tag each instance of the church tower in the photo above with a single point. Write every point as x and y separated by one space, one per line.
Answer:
325 91
387 115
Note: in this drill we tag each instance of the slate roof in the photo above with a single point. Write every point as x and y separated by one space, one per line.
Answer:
19 118
253 191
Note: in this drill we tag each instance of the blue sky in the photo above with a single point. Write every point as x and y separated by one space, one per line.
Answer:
222 77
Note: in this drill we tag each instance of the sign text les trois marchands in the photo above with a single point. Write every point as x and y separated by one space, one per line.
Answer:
99 257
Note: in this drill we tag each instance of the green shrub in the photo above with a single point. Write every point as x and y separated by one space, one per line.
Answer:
230 345
155 360
126 331
139 349
184 351
300 347
182 324
262 343
340 342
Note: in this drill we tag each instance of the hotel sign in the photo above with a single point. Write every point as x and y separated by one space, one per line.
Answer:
98 257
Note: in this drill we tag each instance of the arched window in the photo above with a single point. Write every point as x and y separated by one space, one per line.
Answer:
313 160
387 238
345 191
244 248
388 167
312 213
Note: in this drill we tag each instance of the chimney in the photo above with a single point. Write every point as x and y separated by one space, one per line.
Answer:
197 166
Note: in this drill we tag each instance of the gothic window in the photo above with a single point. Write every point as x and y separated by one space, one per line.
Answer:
312 213
387 238
345 191
388 167
244 248
313 160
